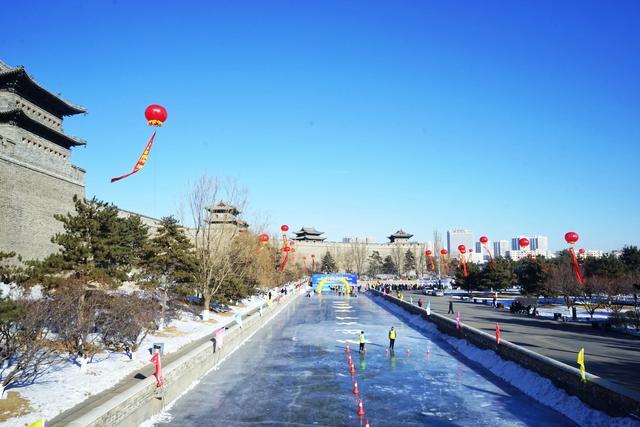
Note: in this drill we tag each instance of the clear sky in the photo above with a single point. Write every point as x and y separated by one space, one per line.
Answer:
357 117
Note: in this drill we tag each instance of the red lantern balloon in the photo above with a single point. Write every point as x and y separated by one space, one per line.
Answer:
156 115
571 237
523 242
484 239
264 238
462 249
444 252
428 252
284 228
582 251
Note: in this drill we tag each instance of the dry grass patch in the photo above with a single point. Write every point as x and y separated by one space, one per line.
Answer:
13 405
170 331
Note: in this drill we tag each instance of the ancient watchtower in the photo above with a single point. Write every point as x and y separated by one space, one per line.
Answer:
37 179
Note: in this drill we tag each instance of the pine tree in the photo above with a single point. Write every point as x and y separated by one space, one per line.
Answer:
167 260
328 264
375 264
500 276
388 266
409 262
96 246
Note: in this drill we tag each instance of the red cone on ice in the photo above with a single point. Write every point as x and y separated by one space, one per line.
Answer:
355 388
360 409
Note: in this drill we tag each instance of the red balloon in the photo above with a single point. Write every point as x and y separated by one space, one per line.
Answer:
444 252
284 228
523 242
264 238
462 249
484 239
571 237
156 115
428 252
582 251
287 249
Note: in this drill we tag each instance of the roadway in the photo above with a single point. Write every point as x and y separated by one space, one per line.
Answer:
608 354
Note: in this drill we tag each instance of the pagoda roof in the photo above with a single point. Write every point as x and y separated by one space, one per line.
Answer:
309 231
19 117
401 234
310 237
223 207
23 84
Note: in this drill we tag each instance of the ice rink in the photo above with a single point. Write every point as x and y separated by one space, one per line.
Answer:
294 371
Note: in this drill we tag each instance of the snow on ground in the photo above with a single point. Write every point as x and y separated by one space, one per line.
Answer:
66 386
530 383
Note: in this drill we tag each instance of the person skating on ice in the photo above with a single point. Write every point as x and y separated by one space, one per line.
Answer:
362 341
392 338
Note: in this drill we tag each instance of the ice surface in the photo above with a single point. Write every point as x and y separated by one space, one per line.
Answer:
275 380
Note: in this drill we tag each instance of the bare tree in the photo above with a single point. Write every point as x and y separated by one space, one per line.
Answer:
26 343
213 238
594 293
358 252
397 255
562 282
421 260
126 321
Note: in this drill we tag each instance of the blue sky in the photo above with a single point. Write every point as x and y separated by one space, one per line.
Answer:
358 118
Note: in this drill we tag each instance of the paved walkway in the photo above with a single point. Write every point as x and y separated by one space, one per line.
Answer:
611 355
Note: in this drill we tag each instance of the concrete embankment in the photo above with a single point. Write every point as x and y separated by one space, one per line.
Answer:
597 392
139 399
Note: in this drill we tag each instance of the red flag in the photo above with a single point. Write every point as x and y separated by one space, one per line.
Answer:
284 262
141 161
576 267
159 377
497 334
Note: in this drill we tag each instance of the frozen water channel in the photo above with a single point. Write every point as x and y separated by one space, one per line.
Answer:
294 372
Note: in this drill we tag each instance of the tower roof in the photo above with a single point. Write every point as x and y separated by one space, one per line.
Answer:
309 231
17 80
20 118
400 235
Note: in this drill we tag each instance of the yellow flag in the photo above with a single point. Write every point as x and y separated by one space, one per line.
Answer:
581 363
39 423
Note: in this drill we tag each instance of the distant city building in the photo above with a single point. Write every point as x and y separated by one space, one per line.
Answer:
400 236
515 243
500 248
594 253
457 237
539 243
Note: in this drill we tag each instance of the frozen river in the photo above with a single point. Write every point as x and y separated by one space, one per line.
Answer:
294 372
